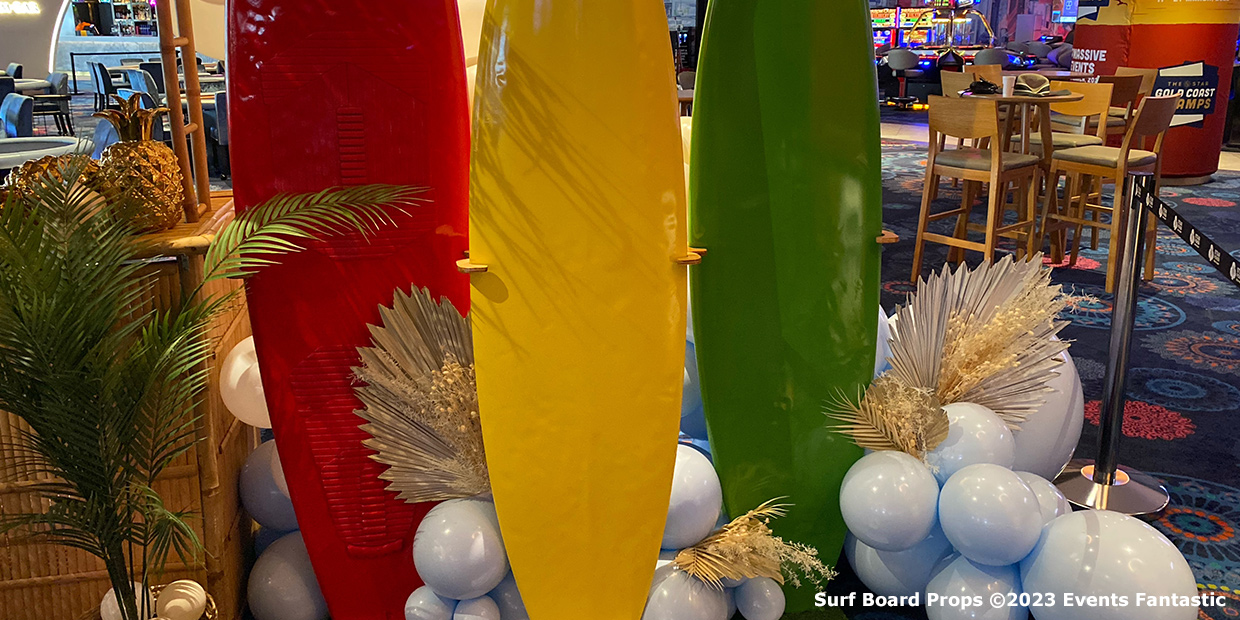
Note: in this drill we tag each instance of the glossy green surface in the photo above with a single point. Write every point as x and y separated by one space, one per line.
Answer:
786 195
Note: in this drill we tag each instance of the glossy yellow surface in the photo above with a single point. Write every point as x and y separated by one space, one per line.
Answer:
578 211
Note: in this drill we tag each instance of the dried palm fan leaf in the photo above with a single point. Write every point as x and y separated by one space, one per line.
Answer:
746 548
982 335
892 415
420 401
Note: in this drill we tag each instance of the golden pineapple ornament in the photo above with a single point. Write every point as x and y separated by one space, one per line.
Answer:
140 169
25 179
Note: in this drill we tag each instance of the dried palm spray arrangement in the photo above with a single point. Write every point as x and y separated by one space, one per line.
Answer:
746 548
983 335
420 401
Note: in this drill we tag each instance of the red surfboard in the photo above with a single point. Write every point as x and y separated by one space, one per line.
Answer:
324 94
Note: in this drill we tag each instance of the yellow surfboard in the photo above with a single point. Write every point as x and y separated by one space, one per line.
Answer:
578 217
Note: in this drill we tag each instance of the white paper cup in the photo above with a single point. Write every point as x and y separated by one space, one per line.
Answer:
1009 85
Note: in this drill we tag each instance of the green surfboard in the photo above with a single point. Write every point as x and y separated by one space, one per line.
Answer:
786 196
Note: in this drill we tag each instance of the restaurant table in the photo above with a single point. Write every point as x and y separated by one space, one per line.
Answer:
17 151
1053 74
209 83
1023 105
26 87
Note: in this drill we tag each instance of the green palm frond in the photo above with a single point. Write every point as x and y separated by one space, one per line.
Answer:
281 225
109 389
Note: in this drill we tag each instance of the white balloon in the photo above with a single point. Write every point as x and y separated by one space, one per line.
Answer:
897 573
277 471
889 500
680 596
975 435
424 604
990 515
481 608
731 594
282 584
109 608
184 599
458 550
666 556
760 598
697 499
1051 502
1108 555
974 587
241 385
508 598
1047 439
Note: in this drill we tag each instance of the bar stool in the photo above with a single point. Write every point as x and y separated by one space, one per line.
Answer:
976 118
1152 121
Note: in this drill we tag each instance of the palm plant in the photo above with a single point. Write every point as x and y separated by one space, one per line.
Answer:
109 389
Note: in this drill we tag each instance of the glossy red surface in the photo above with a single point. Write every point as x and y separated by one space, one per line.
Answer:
346 93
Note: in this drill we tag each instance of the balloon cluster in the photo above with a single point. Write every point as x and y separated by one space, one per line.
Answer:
459 553
971 538
695 511
282 584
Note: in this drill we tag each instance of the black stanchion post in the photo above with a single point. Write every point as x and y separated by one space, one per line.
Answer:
1104 484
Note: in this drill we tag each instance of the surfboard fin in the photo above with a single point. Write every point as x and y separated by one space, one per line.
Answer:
694 257
466 266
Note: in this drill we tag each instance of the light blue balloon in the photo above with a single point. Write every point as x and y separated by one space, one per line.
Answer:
889 500
957 577
424 604
458 550
676 595
481 608
760 598
282 584
1051 501
692 412
508 598
897 573
264 537
1104 554
881 365
990 515
260 496
974 435
697 500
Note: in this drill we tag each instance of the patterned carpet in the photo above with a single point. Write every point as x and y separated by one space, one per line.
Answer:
1182 390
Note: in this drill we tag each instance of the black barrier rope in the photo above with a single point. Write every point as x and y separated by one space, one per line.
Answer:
1224 262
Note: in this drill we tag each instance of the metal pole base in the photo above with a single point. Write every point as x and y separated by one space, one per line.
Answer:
1133 493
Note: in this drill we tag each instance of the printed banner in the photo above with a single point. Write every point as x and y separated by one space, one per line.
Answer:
1196 84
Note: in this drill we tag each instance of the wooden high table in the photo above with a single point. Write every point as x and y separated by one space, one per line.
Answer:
1023 105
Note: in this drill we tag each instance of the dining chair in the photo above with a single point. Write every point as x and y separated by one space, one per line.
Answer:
1151 122
160 132
8 86
955 81
991 73
993 57
686 79
14 70
975 118
1148 76
218 133
1125 93
17 116
141 80
56 103
105 135
156 71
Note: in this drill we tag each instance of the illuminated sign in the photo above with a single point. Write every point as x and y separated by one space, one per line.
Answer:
19 8
883 18
908 17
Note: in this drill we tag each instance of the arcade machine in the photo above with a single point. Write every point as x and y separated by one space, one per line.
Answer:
954 33
884 22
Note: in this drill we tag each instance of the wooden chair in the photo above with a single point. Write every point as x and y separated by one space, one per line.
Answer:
978 119
1147 85
954 81
1151 122
992 73
1125 93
